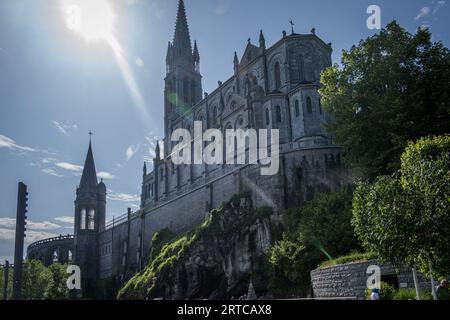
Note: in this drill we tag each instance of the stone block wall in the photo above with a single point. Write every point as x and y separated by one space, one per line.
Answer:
350 280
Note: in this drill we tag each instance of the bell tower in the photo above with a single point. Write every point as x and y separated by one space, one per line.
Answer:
90 207
183 82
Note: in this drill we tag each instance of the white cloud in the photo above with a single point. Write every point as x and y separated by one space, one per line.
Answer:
131 150
52 172
123 197
139 62
439 5
7 223
65 219
9 143
105 175
44 225
423 13
7 234
10 223
64 128
69 166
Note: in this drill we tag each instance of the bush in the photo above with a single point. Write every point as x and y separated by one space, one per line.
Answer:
315 232
352 257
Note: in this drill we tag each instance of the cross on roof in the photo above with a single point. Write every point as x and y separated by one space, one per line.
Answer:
292 25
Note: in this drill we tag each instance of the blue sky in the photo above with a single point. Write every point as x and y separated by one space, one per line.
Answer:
55 87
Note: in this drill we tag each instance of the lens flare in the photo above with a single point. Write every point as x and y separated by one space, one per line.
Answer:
94 21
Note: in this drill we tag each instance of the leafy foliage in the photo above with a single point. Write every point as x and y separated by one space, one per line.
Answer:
41 282
317 231
10 281
392 88
352 257
406 217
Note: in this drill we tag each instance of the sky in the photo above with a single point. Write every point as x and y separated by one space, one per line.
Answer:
56 85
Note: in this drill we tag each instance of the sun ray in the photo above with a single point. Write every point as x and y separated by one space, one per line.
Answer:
94 22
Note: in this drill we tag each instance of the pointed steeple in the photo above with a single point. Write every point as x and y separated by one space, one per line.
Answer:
196 57
88 180
169 53
236 62
196 54
182 39
157 151
145 169
262 40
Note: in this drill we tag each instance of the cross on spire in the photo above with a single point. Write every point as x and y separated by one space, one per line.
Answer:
90 135
292 25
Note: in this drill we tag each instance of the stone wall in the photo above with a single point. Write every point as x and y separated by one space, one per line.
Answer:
350 280
303 171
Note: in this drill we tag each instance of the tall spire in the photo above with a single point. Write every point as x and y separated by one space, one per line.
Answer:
182 39
262 40
157 151
88 180
196 54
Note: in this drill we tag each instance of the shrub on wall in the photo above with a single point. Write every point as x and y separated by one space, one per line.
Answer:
318 231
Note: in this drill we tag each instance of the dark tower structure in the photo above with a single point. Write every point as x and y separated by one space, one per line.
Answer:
90 206
183 82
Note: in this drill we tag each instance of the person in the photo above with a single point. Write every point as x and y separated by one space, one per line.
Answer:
374 295
442 290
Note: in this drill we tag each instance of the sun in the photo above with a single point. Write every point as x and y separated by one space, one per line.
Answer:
91 19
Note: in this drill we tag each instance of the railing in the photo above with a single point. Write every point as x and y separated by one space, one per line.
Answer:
59 238
119 220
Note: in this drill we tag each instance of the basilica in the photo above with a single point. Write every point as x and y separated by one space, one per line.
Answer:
271 87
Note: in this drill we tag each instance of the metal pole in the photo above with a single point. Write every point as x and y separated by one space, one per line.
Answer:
433 288
5 280
416 283
20 235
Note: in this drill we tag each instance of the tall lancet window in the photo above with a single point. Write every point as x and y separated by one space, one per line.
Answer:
83 219
91 219
277 73
308 105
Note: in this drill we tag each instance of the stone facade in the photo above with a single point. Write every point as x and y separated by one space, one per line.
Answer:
350 280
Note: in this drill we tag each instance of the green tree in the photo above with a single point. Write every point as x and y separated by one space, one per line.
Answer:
57 289
317 231
36 280
10 281
392 88
405 218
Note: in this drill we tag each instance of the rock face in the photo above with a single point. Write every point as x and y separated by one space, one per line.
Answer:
215 261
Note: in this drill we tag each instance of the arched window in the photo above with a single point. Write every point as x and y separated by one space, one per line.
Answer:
161 174
91 219
297 108
267 117
308 105
83 219
69 256
277 74
320 106
214 119
55 258
278 113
